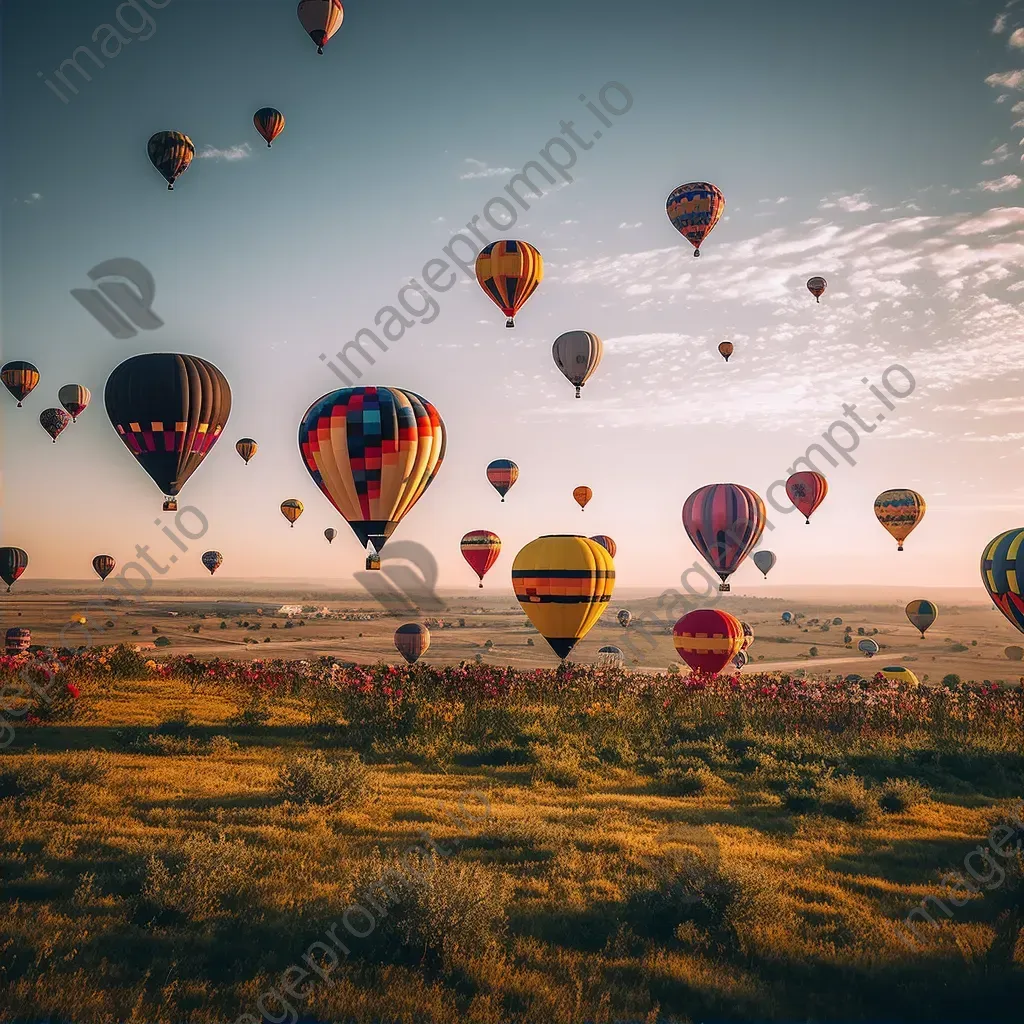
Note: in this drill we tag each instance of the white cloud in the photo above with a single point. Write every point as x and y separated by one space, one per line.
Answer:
627 227
1002 98
1000 24
855 203
230 154
1000 154
1007 183
479 169
34 197
991 220
1006 79
1017 39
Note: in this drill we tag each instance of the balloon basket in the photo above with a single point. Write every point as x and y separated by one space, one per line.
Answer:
510 322
481 585
724 588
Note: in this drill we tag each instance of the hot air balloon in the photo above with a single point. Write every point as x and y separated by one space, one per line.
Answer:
610 657
787 617
921 614
748 636
563 583
899 511
13 562
412 640
607 543
501 475
103 565
725 523
725 349
740 660
807 491
1014 653
170 153
582 495
694 210
816 286
625 617
480 548
19 378
75 398
291 509
321 19
899 674
373 452
330 533
577 354
53 421
869 647
764 560
213 560
509 272
1002 572
269 123
169 410
247 448
17 640
708 639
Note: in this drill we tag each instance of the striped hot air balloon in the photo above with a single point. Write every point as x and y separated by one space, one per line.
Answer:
899 511
816 286
480 548
103 565
19 378
213 560
246 448
501 475
607 543
75 398
13 562
708 639
563 583
582 495
725 523
269 123
577 354
1002 572
807 491
694 209
509 272
412 641
291 509
170 153
321 19
921 614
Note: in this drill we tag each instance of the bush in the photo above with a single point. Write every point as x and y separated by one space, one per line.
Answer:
529 641
813 652
951 680
154 629
314 779
223 625
688 781
898 795
846 799
562 766
162 641
958 647
60 781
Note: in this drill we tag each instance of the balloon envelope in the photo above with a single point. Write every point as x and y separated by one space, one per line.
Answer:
921 614
607 543
75 398
899 511
480 548
53 421
412 640
610 657
869 647
816 286
291 509
509 272
582 496
17 640
19 378
170 153
330 533
625 617
748 636
213 560
707 639
725 523
247 448
899 674
269 123
807 491
694 209
764 560
501 475
13 562
726 349
787 616
1002 572
321 19
577 354
103 565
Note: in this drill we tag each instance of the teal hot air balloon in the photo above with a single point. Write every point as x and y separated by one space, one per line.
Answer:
764 560
787 617
868 647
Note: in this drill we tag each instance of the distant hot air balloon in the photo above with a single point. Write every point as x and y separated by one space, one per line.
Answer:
169 410
17 640
921 614
480 548
869 647
787 617
899 674
899 511
748 636
816 286
269 123
509 272
75 398
725 523
321 19
53 421
103 565
563 583
247 448
1014 653
330 533
764 560
610 657
707 639
291 509
213 560
577 354
373 452
694 210
625 617
582 495
170 153
19 378
13 562
607 543
412 641
807 491
501 475
1002 572
740 660
725 349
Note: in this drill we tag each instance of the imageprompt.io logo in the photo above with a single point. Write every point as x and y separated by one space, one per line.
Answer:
122 297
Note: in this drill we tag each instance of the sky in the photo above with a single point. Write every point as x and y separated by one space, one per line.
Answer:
876 144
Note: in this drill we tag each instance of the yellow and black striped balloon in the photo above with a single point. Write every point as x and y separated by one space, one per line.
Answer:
291 509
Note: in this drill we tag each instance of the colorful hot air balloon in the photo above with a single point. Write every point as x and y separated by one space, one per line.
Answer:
481 549
501 475
610 657
899 674
17 640
563 583
607 543
321 19
412 641
169 411
921 614
1014 653
625 617
170 153
269 123
740 660
816 286
899 511
1002 572
53 421
13 562
373 452
725 349
103 565
75 398
807 491
509 272
577 354
787 617
247 448
708 639
748 636
330 533
868 647
582 495
694 210
213 560
725 523
19 378
764 560
291 509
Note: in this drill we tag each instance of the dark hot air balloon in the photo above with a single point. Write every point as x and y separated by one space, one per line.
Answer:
921 614
577 354
725 349
13 562
103 565
170 153
764 560
19 378
868 647
1002 572
17 640
247 448
213 560
607 543
625 617
501 475
816 286
269 123
412 641
53 421
330 533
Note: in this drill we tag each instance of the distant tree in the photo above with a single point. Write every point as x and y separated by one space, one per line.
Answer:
529 641
951 680
959 647
302 622
462 623
196 628
288 624
478 658
162 641
488 644
273 625
223 624
266 639
135 632
860 631
813 652
760 657
974 643
925 677
155 630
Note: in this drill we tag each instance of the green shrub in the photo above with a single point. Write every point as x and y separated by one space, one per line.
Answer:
57 780
898 795
562 766
951 680
314 779
846 799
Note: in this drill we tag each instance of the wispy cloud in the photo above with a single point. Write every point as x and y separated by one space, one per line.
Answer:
1007 183
33 197
1000 154
857 203
479 169
626 226
1000 24
231 153
1006 80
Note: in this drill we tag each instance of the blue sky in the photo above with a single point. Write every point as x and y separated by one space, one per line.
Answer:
876 146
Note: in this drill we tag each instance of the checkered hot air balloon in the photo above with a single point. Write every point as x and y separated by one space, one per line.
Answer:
921 614
694 209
